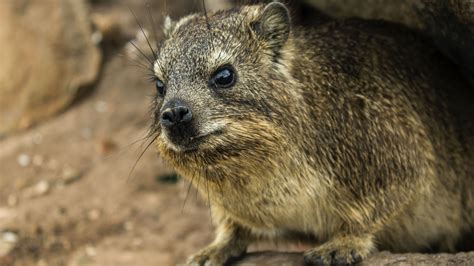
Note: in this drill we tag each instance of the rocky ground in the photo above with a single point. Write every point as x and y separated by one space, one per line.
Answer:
68 195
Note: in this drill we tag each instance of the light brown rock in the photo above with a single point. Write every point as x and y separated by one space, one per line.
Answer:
382 258
47 54
449 23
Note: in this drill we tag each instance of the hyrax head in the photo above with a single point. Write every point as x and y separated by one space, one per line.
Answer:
222 83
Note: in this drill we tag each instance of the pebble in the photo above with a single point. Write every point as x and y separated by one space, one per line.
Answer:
23 160
40 189
70 175
8 241
9 237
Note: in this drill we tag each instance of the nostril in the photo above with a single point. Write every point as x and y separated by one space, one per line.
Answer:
167 117
183 114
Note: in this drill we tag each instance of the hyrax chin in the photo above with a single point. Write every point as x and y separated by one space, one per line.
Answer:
357 134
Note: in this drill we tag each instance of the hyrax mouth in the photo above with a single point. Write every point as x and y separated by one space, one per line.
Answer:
185 141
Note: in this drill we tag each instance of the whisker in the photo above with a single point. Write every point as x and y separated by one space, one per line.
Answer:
142 53
140 156
187 193
227 116
198 183
144 65
208 24
165 8
144 34
153 26
209 200
124 148
198 136
205 14
220 186
138 62
140 65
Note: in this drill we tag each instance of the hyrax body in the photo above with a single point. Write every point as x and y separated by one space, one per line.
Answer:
357 134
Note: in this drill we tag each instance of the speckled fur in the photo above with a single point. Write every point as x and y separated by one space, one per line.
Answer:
357 134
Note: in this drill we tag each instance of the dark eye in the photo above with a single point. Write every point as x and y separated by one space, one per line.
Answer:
224 77
160 87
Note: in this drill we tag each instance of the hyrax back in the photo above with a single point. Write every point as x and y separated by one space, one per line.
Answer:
357 134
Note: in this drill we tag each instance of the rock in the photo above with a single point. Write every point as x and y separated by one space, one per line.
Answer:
47 56
8 241
40 189
449 23
23 160
70 175
401 11
214 5
381 258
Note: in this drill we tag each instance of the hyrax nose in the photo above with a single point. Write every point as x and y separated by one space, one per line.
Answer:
177 113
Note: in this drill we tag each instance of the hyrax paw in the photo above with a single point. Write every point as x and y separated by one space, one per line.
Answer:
213 256
340 251
206 258
332 257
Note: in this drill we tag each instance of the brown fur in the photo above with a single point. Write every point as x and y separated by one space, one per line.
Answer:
355 133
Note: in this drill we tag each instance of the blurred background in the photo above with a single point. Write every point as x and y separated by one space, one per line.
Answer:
74 100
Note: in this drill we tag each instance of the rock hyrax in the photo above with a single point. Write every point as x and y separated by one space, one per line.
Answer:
356 134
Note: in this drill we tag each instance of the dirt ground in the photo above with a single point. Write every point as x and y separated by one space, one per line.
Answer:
65 194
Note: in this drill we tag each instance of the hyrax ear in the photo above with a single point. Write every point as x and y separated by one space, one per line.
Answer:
273 25
168 26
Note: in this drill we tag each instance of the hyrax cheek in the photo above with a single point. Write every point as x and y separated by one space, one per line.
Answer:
210 127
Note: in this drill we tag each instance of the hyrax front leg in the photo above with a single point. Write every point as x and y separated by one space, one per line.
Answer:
231 241
341 250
